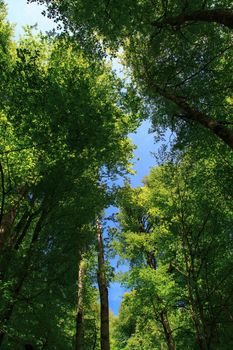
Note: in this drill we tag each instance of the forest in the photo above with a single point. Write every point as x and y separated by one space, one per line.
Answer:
66 157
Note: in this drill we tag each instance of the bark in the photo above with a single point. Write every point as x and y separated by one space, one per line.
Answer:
79 345
206 340
167 330
21 234
196 319
214 126
220 16
151 261
103 290
9 307
19 228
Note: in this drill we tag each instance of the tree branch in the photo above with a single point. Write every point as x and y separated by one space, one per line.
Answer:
191 113
220 16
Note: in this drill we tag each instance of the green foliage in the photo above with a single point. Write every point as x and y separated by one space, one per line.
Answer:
180 66
64 124
176 235
65 117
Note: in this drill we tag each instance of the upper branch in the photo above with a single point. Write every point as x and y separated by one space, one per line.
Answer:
221 16
216 127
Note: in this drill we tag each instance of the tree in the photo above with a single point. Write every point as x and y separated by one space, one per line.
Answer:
65 118
80 307
65 121
187 210
138 244
103 291
179 53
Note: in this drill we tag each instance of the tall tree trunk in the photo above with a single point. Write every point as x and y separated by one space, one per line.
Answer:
79 344
167 330
200 337
103 290
21 235
9 307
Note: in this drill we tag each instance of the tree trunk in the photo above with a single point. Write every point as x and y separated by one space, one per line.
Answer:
79 344
19 227
216 127
28 347
103 290
167 330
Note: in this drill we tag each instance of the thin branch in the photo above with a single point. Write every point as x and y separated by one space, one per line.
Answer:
203 67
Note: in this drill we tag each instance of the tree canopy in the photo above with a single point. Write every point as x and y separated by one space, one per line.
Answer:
65 157
179 54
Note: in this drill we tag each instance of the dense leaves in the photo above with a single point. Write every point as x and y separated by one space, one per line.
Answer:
64 124
64 127
176 234
179 53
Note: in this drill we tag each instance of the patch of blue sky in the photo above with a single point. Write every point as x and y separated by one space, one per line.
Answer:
21 14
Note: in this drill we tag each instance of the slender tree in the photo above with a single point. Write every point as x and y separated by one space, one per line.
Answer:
103 290
80 305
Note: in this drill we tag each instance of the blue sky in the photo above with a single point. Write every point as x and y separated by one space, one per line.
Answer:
21 13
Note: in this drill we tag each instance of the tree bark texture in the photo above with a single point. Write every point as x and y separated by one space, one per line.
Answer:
79 344
103 290
167 330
